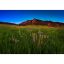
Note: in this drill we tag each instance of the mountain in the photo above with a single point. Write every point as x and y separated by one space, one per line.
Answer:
7 23
41 22
36 22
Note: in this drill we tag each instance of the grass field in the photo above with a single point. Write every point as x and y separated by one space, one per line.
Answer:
31 40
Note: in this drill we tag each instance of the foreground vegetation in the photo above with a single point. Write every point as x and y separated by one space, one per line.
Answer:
32 40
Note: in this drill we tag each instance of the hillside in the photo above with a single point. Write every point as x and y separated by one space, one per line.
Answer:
36 22
41 22
8 23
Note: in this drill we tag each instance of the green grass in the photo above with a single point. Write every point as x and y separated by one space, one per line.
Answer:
31 41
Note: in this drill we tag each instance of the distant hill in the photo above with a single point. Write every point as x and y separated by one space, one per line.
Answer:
7 23
41 22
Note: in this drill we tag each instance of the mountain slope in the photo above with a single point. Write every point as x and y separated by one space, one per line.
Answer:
41 22
7 23
37 22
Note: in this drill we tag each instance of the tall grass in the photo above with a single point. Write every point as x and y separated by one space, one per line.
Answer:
31 41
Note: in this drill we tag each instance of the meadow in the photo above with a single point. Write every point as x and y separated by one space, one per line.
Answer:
31 40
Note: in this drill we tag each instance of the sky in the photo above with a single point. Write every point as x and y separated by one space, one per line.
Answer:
18 16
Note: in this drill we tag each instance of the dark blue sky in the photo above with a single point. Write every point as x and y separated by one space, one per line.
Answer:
18 16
